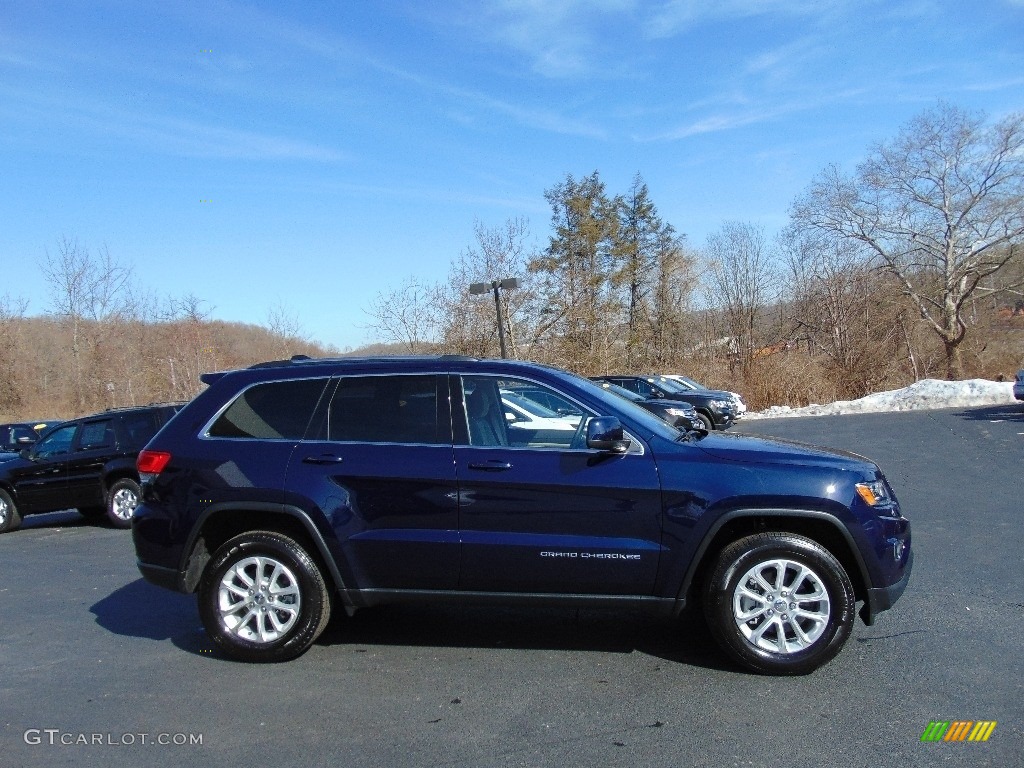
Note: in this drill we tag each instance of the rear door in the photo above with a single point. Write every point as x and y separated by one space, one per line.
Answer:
380 470
94 445
542 513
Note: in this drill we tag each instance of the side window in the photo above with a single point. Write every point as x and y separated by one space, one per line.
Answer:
387 409
96 434
512 412
56 442
140 427
641 388
274 410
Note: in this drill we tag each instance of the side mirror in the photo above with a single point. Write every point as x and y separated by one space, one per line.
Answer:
604 433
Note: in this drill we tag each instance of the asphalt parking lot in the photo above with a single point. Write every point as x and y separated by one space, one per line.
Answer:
100 668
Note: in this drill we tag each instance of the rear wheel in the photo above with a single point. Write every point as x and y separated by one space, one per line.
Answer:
262 598
779 603
10 518
121 502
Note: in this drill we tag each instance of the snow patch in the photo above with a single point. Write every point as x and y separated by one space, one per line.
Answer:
922 395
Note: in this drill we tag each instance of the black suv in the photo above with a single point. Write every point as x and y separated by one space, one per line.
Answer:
86 463
715 409
679 414
294 488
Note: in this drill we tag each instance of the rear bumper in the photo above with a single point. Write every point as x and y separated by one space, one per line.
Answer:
883 598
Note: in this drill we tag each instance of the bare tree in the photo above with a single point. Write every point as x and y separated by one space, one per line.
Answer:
89 294
742 276
468 322
841 308
12 311
407 315
941 208
283 324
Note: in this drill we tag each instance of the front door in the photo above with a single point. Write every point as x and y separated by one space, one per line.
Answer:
539 512
41 481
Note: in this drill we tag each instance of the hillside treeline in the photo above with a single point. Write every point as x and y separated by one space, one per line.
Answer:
118 351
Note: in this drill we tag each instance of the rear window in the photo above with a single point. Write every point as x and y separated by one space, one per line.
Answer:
386 409
275 410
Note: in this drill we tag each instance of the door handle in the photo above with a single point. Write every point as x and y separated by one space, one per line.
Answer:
324 458
491 466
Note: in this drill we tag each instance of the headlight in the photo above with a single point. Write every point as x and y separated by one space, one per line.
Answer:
720 404
874 493
677 412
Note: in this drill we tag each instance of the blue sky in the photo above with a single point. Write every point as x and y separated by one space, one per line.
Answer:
313 154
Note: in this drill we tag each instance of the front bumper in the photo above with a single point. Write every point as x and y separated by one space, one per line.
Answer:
880 599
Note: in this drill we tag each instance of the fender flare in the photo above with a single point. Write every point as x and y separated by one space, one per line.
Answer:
812 514
191 569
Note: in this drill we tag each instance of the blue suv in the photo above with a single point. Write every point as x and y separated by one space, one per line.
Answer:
293 488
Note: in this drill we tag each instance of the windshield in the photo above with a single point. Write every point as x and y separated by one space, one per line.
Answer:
670 385
688 382
623 392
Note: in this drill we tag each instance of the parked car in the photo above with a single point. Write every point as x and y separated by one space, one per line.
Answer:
549 400
292 488
686 381
86 463
1018 385
524 414
679 414
18 435
715 409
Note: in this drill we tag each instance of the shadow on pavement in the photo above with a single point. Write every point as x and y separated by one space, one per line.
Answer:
609 631
1011 412
143 610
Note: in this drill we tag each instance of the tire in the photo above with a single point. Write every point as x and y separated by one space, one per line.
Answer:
122 498
248 624
705 422
10 518
749 603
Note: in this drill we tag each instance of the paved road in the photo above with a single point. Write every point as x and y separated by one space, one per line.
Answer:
88 649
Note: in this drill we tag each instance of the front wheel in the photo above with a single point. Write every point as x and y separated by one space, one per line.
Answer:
122 499
779 603
262 598
10 518
706 422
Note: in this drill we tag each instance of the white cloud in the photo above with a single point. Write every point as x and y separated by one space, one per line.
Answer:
675 16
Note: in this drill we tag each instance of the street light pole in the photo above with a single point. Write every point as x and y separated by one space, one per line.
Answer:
506 284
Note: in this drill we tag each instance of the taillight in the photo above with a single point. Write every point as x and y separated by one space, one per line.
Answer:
152 462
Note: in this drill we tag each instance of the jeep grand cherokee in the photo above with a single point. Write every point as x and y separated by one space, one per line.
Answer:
294 488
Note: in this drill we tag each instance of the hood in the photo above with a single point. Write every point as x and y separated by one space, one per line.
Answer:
751 449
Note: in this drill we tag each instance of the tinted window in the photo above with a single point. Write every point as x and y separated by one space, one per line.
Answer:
96 434
387 409
57 442
277 409
140 427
